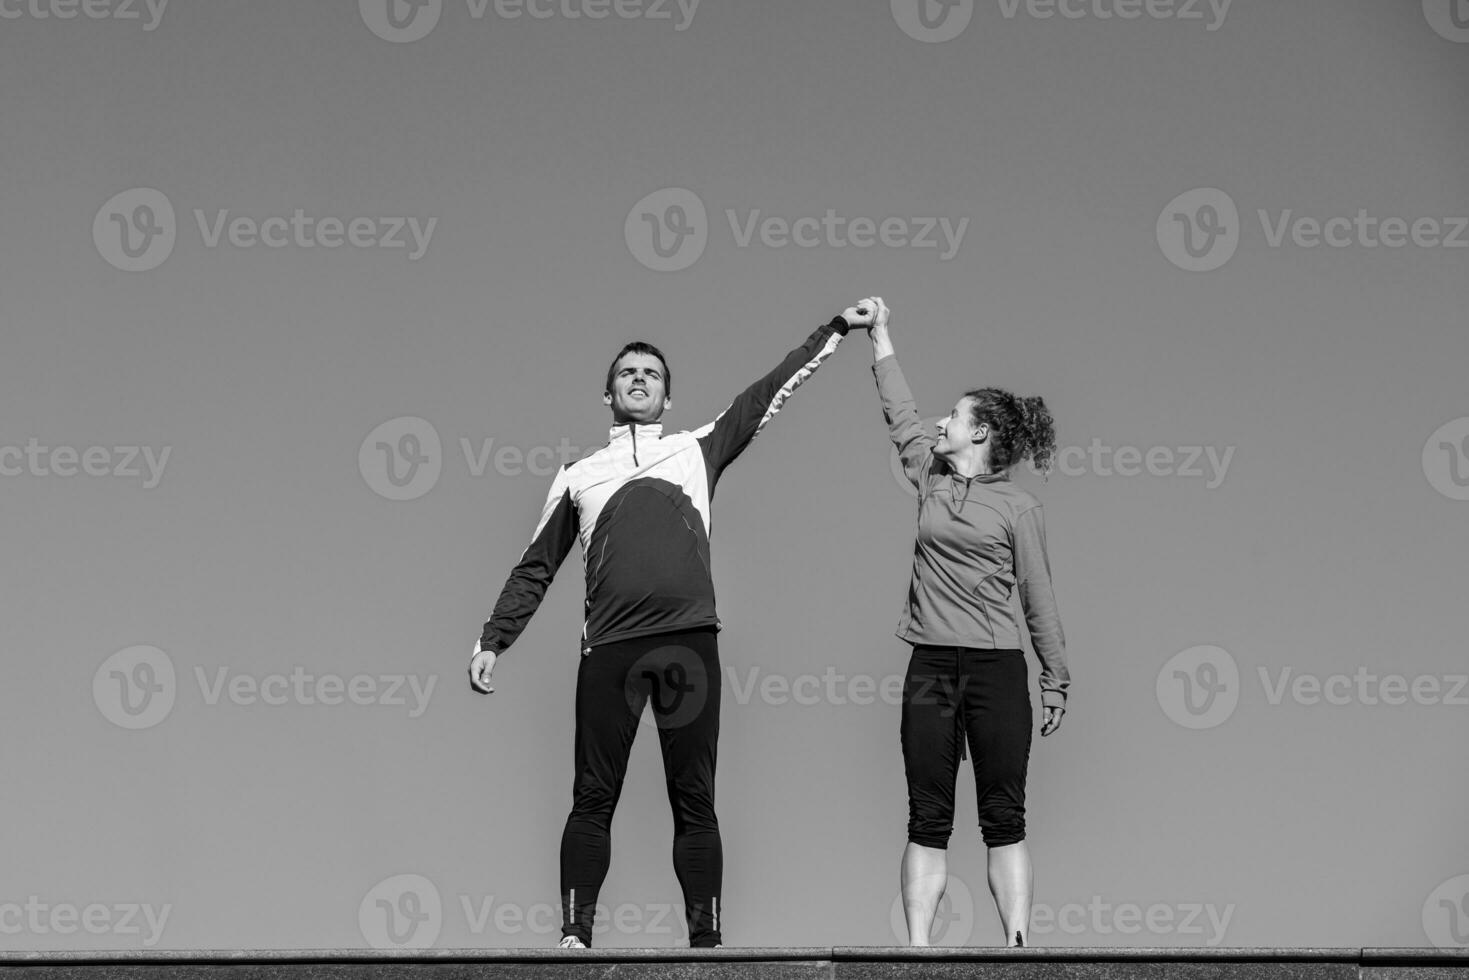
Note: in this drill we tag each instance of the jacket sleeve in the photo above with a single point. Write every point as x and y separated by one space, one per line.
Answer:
530 578
726 437
905 428
1038 602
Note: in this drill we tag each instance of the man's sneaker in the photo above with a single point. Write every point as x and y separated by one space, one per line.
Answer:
572 942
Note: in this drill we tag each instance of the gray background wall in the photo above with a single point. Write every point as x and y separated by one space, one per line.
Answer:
1201 791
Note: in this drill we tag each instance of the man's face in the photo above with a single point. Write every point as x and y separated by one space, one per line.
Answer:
638 389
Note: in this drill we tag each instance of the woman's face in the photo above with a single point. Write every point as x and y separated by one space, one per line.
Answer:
956 432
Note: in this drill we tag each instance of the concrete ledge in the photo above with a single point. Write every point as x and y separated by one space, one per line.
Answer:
746 963
538 955
1367 956
1101 964
1105 954
1414 964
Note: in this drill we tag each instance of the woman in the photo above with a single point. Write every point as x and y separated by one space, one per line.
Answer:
980 537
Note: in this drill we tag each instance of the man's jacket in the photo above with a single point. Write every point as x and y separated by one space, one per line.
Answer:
640 508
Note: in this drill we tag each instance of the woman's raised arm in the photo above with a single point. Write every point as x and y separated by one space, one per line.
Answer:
906 430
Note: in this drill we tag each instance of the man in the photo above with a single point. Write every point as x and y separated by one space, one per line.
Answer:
640 508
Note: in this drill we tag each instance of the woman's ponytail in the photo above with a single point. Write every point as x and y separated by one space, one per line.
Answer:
1023 428
1040 433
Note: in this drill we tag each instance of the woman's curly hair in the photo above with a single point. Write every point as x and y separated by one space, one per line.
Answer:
1022 428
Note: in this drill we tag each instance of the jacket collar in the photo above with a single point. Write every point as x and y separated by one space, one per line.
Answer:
980 477
626 432
954 476
959 486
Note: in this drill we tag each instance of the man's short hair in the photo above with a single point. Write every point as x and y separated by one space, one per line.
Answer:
639 347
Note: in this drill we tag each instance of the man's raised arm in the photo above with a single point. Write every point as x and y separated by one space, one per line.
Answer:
727 436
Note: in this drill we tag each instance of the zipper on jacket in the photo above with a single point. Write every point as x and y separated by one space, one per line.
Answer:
634 427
